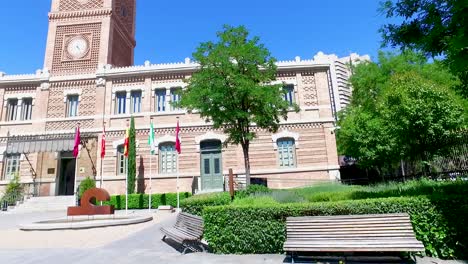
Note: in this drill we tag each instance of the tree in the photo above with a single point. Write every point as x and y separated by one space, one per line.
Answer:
232 88
131 158
435 27
402 108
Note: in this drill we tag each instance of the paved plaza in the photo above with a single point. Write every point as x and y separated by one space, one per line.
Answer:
127 244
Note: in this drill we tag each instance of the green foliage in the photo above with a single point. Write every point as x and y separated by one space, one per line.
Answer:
13 191
439 222
433 27
402 109
195 204
252 189
131 158
85 185
141 201
232 88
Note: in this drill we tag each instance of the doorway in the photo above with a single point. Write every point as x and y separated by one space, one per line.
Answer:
211 166
66 180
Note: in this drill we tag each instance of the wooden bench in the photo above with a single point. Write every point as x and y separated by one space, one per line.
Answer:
187 231
351 233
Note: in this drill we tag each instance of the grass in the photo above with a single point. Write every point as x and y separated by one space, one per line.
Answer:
339 192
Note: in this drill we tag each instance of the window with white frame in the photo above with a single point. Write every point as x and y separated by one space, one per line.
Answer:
121 163
12 166
120 102
175 98
289 94
12 109
26 109
167 158
160 100
135 102
286 152
72 105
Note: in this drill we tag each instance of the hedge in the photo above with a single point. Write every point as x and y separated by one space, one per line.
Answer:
440 222
141 201
195 204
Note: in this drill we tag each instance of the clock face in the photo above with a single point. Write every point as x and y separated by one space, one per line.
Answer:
78 47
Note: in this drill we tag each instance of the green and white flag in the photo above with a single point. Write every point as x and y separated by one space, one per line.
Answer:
151 140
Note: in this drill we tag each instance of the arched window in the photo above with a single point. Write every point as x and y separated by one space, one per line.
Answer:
121 163
167 158
286 153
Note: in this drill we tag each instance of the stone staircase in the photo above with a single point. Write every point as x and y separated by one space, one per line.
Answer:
44 204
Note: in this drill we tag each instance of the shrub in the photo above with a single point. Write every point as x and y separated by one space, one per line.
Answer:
85 185
195 204
252 189
13 191
439 222
141 201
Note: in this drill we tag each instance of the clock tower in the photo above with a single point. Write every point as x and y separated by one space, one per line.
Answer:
86 33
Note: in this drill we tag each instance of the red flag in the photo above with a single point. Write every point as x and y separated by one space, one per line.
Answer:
103 143
76 147
126 142
177 142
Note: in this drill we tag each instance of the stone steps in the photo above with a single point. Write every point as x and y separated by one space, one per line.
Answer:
45 204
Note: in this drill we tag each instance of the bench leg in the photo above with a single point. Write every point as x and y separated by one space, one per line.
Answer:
164 237
292 257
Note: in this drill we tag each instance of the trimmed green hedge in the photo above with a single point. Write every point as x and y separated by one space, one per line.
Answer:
195 204
141 201
440 222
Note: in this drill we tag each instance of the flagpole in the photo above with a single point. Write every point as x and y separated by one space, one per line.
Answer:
151 183
102 160
177 167
75 188
126 176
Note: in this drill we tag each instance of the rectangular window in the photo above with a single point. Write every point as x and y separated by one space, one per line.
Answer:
286 153
135 99
72 105
120 103
12 166
26 109
160 97
175 98
12 109
289 94
167 158
121 163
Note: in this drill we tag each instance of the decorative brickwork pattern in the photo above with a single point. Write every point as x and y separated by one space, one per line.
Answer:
309 90
77 5
87 104
165 78
76 66
125 12
69 125
131 81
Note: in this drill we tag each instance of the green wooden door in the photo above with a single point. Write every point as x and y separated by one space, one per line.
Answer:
211 168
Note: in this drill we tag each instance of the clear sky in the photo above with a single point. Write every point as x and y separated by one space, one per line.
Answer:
169 31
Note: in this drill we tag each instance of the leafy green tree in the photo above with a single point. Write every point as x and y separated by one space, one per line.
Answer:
435 27
131 158
402 109
232 88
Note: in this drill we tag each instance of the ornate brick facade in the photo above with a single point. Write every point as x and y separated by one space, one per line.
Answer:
89 56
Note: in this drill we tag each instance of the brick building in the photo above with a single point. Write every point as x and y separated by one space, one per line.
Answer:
89 78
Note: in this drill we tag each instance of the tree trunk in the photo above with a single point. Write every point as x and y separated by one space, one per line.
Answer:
245 149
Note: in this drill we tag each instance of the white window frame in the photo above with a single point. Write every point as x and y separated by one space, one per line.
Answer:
167 158
160 100
26 109
289 96
175 97
9 170
121 166
287 153
135 101
72 106
12 109
120 103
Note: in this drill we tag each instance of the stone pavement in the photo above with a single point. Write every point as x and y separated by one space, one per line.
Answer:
139 244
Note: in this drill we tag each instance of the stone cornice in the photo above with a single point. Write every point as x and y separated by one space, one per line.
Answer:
79 14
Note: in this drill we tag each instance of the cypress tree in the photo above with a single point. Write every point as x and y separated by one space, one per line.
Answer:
131 158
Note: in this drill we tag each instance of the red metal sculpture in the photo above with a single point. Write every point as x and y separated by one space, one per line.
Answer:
87 208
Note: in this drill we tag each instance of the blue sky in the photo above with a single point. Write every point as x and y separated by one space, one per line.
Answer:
169 31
